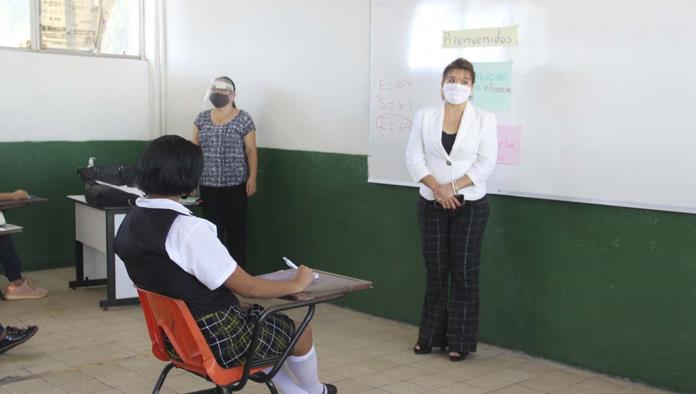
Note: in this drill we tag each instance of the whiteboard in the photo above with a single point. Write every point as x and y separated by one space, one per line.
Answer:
604 93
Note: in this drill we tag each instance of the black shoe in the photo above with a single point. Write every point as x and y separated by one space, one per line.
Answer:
457 356
423 349
330 389
14 336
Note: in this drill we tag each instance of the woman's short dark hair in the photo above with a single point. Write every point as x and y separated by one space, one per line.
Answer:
460 64
170 166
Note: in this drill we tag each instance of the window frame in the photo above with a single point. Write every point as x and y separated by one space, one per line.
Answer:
35 33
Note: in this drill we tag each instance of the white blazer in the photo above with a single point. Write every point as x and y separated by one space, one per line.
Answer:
474 152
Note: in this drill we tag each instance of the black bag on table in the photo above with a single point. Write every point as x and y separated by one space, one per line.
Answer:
105 195
119 175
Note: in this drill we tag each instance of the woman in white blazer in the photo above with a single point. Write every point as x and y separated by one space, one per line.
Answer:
451 152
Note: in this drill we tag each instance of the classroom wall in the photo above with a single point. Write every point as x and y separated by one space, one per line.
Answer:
49 97
598 287
604 288
47 169
301 68
56 111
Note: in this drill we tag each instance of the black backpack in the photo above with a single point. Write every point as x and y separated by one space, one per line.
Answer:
105 195
119 175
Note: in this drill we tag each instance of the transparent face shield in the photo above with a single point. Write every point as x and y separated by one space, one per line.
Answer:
217 87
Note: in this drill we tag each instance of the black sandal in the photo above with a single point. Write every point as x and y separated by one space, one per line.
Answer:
422 349
457 356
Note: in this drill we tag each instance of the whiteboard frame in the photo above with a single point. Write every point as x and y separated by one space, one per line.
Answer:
563 198
611 203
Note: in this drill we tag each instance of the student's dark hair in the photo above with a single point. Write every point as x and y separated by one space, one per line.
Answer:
228 79
460 64
170 166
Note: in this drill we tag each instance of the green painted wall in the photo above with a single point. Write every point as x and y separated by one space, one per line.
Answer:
609 289
47 169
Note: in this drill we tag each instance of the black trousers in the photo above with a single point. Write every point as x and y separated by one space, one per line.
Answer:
451 241
11 265
226 208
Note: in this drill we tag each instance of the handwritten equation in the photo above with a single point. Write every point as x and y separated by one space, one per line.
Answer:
393 112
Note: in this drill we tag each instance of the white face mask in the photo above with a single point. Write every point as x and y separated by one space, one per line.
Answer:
456 93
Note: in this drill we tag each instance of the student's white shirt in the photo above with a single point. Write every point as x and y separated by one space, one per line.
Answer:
474 152
192 243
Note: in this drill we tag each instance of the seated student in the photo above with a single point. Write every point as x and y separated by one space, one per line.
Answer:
169 251
19 288
13 336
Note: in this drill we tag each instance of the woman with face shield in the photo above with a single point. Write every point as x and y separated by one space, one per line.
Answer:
451 152
227 136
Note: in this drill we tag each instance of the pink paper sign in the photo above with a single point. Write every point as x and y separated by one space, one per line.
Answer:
509 138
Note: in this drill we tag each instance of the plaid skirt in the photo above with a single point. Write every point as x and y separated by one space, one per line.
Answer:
229 333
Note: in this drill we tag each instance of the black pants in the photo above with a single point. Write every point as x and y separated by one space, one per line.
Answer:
451 242
226 208
11 264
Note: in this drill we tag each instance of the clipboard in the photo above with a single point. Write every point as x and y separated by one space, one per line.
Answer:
328 283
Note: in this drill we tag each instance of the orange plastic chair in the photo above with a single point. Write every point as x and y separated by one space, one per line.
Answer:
171 317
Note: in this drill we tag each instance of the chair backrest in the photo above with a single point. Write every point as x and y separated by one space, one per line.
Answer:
173 318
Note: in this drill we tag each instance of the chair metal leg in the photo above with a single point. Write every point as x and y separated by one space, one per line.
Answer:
271 387
163 375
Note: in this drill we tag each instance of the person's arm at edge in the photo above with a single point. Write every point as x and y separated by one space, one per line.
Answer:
252 161
247 286
16 195
210 262
196 137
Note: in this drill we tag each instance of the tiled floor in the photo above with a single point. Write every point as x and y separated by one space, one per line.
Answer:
81 349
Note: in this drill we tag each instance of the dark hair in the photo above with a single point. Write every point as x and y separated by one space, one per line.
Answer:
170 166
228 79
460 64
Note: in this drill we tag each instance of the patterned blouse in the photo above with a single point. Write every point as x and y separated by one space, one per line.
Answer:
225 162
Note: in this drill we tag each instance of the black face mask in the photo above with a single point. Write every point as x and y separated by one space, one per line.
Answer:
219 100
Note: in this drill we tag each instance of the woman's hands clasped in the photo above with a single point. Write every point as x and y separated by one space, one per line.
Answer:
444 195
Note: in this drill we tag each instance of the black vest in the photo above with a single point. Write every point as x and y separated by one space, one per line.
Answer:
140 243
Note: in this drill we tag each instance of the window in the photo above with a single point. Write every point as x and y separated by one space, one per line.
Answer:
15 24
99 27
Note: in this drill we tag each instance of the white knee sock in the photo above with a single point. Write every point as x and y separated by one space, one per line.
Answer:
284 382
305 370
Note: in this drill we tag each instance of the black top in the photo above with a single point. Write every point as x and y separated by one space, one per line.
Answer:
448 141
140 243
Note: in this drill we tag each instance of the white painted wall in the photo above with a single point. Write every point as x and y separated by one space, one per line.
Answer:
74 98
301 68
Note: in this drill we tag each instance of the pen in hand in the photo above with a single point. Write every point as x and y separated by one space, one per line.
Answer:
289 263
293 266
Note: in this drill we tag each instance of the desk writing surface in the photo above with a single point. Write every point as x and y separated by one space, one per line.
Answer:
328 283
20 203
7 229
189 201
